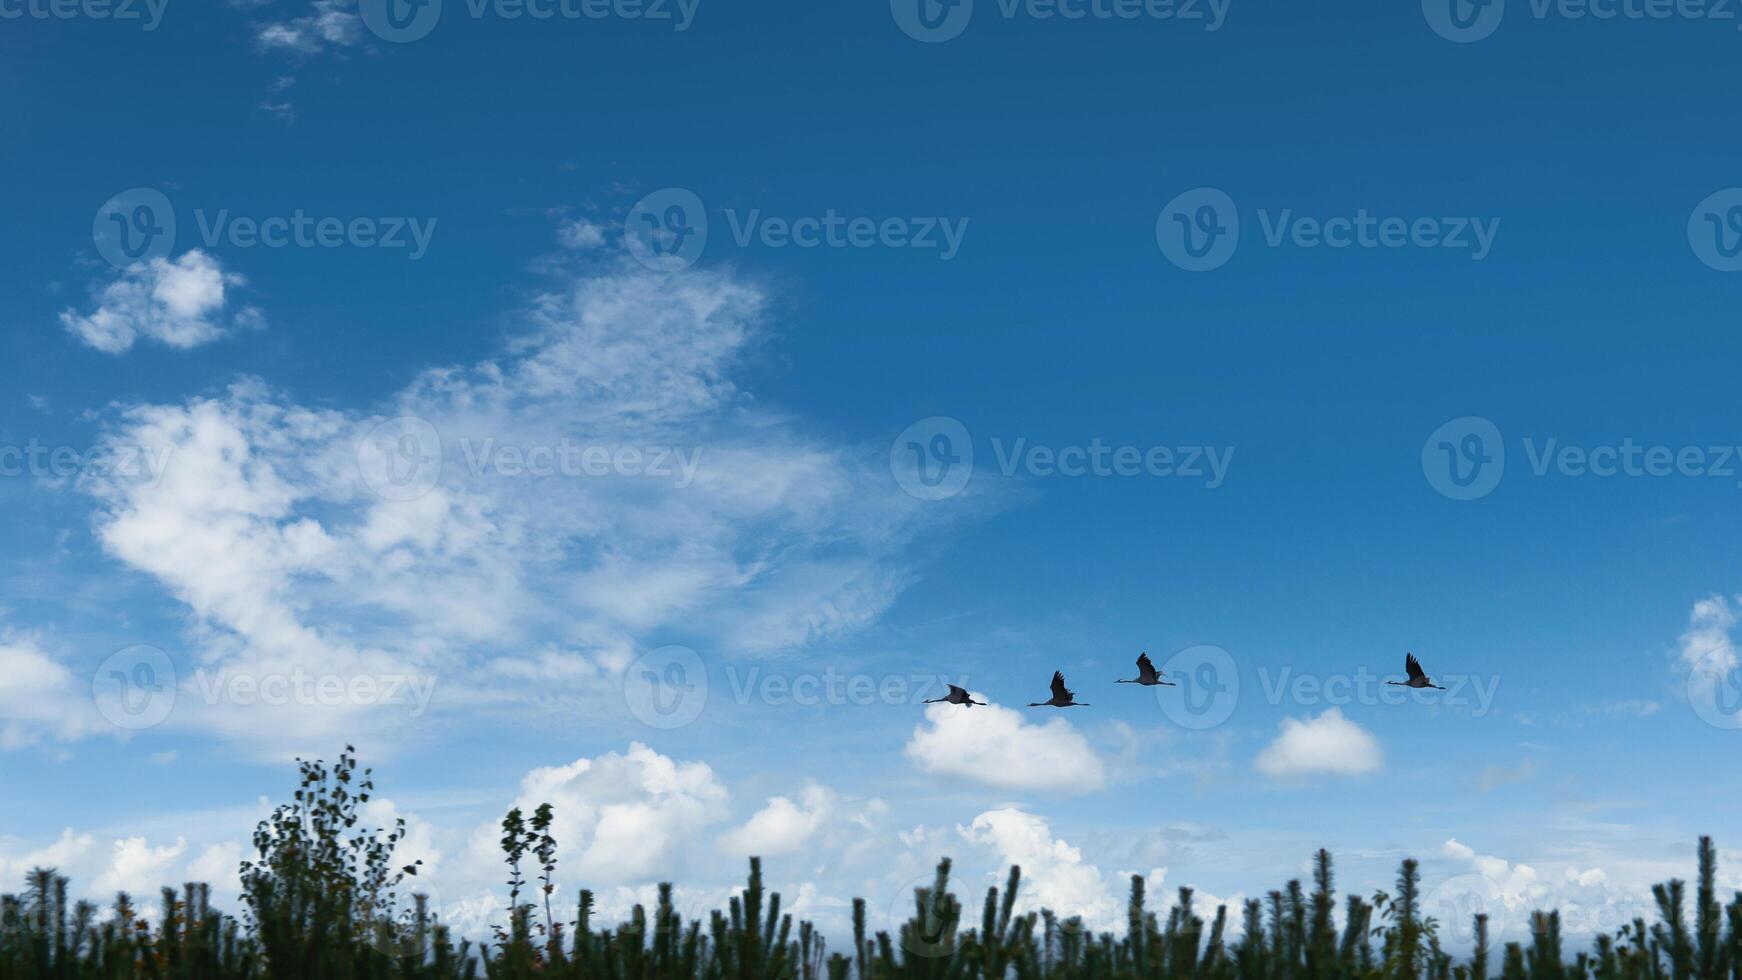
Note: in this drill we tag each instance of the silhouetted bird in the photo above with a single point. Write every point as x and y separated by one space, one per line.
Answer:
1147 675
1061 695
956 696
1416 677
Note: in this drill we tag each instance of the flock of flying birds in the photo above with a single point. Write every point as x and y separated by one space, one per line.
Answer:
1150 676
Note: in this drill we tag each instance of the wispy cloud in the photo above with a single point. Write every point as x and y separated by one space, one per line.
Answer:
328 24
282 529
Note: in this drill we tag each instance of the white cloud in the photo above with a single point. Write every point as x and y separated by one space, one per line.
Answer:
621 818
1327 745
179 303
819 822
138 868
272 532
1588 900
998 747
1054 874
783 826
1707 652
40 695
580 234
331 23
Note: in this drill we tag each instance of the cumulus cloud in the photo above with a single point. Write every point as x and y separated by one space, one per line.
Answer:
1508 892
176 302
138 868
1327 745
621 818
100 865
998 747
601 480
783 826
818 821
1054 874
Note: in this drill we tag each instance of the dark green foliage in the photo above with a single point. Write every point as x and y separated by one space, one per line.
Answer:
324 900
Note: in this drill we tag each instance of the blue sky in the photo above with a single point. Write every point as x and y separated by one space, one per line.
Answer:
1542 251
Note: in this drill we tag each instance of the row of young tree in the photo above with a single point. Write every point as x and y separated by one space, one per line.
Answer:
321 901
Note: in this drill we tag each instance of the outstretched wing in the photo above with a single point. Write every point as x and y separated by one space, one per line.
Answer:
1145 666
1413 666
1058 686
956 692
